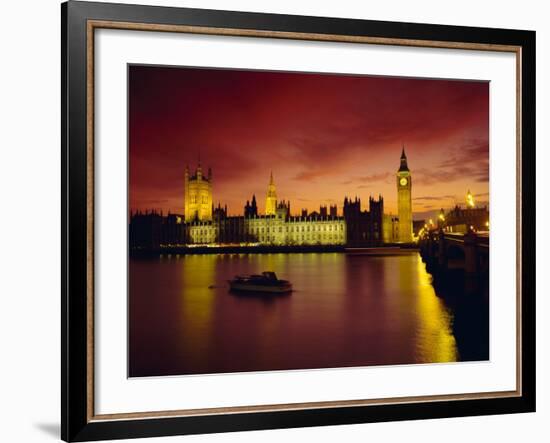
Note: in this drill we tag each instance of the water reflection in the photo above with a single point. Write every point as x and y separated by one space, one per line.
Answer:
197 304
346 310
435 340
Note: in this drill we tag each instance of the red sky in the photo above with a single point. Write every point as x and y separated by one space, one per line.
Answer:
323 136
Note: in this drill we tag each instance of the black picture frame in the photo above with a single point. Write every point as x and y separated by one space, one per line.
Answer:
76 422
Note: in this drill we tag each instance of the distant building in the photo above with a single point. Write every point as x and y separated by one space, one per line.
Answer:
204 224
278 228
364 228
145 230
390 229
461 220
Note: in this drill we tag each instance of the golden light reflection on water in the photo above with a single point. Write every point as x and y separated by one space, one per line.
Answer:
435 341
346 310
197 273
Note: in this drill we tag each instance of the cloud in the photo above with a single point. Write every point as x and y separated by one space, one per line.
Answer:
310 176
469 159
374 178
429 197
323 135
470 151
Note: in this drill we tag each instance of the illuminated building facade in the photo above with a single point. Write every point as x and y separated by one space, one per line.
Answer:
198 195
279 229
271 198
461 220
204 224
404 200
390 229
276 227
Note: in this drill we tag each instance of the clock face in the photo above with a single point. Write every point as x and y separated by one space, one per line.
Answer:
403 182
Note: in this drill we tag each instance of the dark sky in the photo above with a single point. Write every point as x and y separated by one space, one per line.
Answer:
323 136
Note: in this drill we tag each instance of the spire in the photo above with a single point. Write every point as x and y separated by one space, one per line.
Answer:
470 200
198 172
271 198
403 167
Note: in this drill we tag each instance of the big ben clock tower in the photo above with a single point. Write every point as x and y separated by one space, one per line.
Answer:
404 201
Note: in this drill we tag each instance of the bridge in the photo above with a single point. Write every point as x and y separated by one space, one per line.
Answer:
447 251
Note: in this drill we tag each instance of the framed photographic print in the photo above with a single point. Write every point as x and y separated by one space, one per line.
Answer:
279 221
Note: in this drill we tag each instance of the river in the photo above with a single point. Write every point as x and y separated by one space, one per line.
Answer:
345 310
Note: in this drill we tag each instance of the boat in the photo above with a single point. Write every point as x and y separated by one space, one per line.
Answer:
264 282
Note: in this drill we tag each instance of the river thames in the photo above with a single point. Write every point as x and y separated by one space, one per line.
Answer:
345 310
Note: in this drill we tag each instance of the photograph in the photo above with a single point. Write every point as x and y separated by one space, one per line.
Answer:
285 220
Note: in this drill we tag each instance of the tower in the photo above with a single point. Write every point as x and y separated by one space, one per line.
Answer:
404 201
470 200
271 198
198 195
251 209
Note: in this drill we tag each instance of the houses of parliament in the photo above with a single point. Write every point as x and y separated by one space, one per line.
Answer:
204 224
